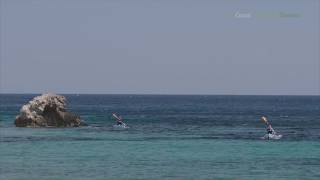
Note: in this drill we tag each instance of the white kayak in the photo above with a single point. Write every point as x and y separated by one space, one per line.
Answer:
120 126
272 136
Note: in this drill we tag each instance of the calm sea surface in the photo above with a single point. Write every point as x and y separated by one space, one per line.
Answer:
170 137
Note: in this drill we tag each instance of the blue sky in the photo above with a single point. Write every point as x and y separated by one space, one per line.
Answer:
160 47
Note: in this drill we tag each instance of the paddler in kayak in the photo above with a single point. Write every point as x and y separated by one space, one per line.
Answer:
118 118
270 130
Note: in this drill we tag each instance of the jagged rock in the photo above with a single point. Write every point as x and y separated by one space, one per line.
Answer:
47 110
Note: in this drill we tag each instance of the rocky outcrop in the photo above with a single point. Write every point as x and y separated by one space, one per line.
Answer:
47 110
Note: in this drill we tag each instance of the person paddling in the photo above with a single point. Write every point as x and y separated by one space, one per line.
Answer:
270 130
118 118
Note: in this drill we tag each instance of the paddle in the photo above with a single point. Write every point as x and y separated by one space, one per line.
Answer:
264 119
114 115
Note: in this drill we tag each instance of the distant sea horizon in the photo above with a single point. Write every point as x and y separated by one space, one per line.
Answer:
160 94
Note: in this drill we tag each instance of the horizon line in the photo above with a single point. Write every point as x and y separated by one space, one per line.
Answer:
162 94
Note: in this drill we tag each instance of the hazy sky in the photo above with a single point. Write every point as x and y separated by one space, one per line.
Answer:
160 47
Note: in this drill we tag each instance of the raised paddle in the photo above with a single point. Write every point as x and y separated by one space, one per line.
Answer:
264 119
114 115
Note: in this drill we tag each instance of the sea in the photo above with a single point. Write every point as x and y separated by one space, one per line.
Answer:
170 137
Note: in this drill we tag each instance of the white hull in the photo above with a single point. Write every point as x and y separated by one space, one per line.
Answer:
272 136
120 126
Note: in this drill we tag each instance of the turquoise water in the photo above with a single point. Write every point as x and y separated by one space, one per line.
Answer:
170 137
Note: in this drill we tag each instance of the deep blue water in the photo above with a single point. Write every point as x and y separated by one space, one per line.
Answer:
170 137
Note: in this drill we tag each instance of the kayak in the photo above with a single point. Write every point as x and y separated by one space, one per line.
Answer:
272 136
120 126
